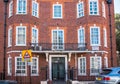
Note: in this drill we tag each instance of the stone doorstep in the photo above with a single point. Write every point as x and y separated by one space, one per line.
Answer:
43 82
82 82
74 82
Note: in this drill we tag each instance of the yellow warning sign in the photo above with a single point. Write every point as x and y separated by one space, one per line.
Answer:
26 55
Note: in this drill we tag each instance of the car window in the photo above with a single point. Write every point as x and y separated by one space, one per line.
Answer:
106 71
119 72
12 83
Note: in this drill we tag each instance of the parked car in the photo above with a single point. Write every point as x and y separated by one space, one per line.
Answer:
109 76
8 82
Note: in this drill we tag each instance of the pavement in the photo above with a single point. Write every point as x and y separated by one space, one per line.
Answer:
70 82
86 82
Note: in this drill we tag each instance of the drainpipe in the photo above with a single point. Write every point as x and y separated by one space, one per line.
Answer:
109 2
5 26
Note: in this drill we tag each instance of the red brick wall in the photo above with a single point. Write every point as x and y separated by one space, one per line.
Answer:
70 24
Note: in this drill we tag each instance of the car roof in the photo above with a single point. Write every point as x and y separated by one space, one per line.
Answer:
113 68
8 81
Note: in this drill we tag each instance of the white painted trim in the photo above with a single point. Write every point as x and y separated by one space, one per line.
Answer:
47 57
105 37
19 51
69 59
14 51
9 73
103 9
105 62
10 4
10 29
50 65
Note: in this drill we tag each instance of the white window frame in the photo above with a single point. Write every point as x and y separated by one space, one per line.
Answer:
33 28
79 12
61 11
20 74
103 9
57 40
79 66
79 43
95 64
105 37
9 66
35 74
37 9
21 12
105 62
92 8
10 8
98 36
10 37
17 35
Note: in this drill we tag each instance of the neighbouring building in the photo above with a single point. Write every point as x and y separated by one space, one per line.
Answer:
69 39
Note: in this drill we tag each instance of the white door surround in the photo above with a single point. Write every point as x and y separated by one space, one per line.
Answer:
50 65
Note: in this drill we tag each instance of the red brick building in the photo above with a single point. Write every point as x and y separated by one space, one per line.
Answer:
62 34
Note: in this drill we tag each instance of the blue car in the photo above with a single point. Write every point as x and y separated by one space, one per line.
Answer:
109 76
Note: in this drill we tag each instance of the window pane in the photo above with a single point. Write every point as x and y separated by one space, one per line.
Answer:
57 11
82 67
81 37
34 67
20 67
34 35
21 35
57 39
95 65
93 8
35 8
94 36
80 10
22 6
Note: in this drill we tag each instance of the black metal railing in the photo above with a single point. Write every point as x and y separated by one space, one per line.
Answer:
72 74
88 75
58 46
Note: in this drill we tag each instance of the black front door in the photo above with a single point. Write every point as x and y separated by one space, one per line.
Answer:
58 68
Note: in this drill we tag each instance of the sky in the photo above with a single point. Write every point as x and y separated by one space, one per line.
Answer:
117 6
